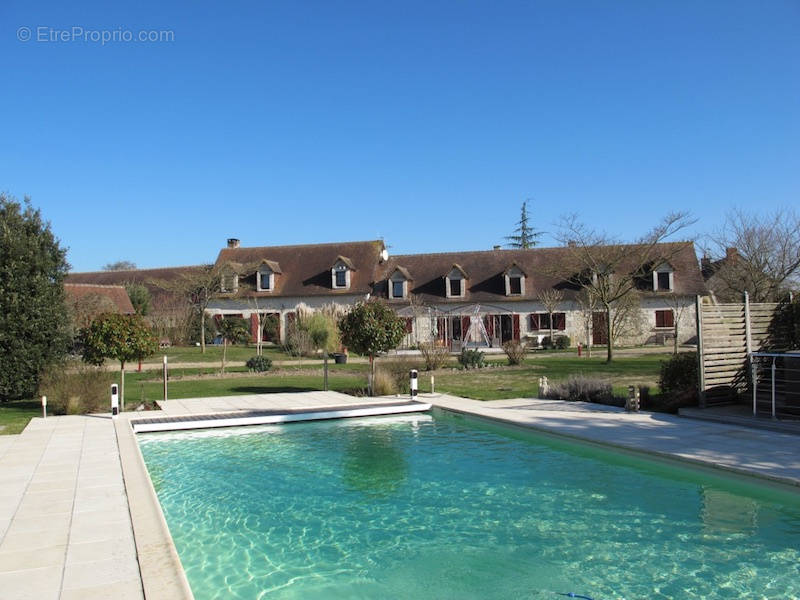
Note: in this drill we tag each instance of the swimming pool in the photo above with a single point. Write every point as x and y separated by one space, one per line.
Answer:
452 507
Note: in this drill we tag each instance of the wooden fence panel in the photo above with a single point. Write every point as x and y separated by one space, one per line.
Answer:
723 330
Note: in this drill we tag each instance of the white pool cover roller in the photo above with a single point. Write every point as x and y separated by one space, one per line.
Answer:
414 375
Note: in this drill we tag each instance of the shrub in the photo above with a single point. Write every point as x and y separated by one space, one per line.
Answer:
679 374
435 356
77 390
678 382
398 370
515 352
298 343
471 358
563 342
383 383
259 364
582 388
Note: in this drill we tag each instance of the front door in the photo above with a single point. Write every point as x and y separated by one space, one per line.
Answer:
506 329
599 327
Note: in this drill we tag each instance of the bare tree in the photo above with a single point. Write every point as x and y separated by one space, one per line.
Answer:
611 269
198 289
587 305
758 254
678 306
550 298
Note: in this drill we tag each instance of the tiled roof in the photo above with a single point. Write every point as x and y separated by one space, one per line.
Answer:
147 277
541 266
305 270
115 293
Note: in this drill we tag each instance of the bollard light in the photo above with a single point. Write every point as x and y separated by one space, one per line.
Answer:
114 400
433 386
44 407
414 385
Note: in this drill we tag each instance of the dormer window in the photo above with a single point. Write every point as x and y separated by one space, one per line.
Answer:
514 280
663 279
455 282
398 284
265 279
340 273
265 276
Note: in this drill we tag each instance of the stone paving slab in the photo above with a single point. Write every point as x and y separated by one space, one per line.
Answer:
765 454
65 528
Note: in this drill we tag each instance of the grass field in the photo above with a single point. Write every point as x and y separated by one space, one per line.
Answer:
14 416
498 381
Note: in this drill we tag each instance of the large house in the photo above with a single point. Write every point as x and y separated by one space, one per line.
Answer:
483 298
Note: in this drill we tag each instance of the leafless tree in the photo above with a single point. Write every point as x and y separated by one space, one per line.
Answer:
587 305
611 269
198 289
550 299
757 254
678 305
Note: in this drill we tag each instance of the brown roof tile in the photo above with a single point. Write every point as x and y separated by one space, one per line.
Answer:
115 293
486 270
305 270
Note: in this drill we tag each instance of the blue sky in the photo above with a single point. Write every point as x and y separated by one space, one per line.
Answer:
425 123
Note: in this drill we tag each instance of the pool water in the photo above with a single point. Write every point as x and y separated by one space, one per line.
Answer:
449 507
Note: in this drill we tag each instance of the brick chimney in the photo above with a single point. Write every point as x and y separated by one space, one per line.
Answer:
731 254
495 247
233 243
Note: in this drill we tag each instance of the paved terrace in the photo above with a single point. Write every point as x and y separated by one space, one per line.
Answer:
78 518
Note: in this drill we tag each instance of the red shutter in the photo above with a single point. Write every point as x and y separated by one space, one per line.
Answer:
440 329
464 327
409 325
560 321
516 326
254 327
665 318
488 323
535 321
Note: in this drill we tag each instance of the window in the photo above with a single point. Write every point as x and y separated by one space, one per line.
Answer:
515 286
340 273
265 280
663 278
541 321
665 318
455 286
514 278
398 289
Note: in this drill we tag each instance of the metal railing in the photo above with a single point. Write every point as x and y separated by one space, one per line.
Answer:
775 381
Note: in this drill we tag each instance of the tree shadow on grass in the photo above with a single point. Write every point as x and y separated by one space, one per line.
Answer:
254 389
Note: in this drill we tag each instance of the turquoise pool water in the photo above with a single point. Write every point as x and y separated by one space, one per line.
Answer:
448 507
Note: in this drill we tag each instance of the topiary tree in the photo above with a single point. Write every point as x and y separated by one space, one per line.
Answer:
120 337
371 328
34 323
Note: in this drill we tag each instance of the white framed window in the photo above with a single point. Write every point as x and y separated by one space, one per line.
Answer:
455 284
663 279
266 279
398 284
340 275
515 281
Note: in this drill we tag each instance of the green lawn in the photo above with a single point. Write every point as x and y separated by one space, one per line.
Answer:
14 416
497 382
